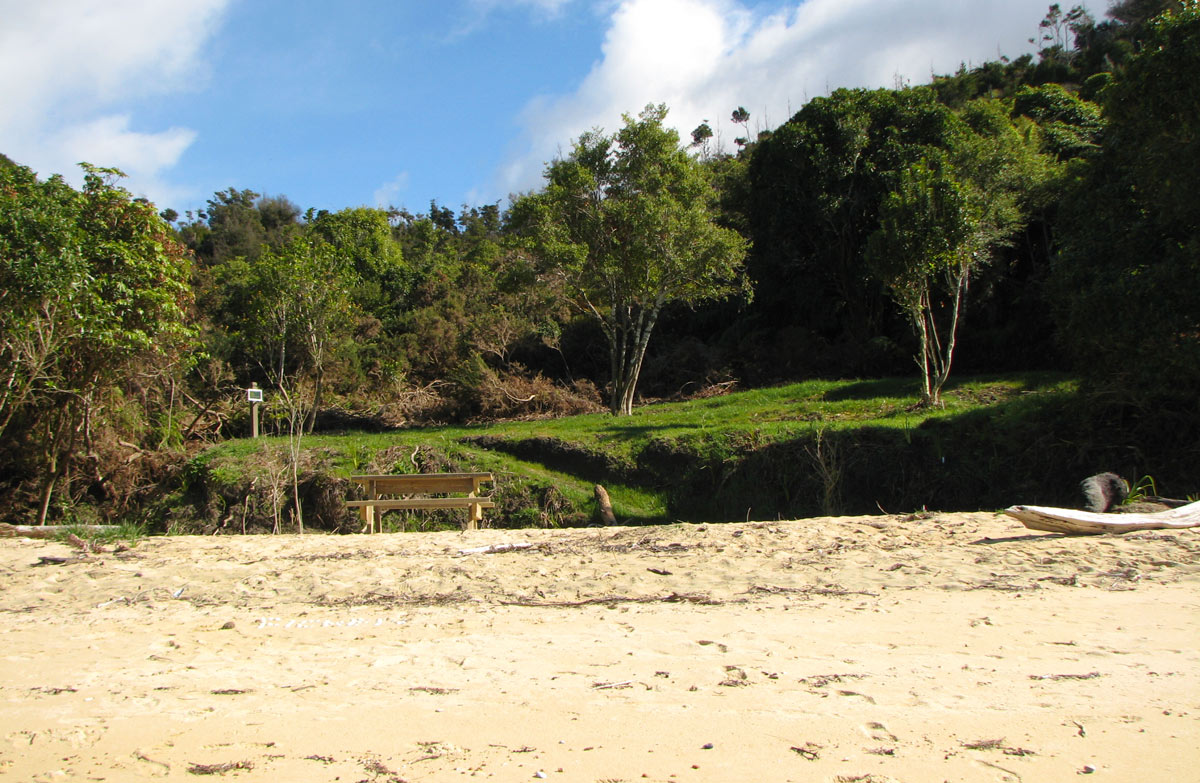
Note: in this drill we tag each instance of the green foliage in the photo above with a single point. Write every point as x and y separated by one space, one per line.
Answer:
1129 306
1140 490
950 212
1070 125
362 238
816 188
626 223
239 223
93 294
299 314
124 533
923 245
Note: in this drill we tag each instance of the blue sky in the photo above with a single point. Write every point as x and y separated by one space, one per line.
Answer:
399 102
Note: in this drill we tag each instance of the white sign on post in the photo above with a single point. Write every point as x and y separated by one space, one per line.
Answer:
254 396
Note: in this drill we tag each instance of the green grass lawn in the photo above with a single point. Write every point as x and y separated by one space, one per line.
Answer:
568 456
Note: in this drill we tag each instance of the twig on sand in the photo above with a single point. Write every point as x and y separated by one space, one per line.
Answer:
1014 775
495 549
687 598
137 754
808 590
219 769
55 560
600 686
809 750
998 744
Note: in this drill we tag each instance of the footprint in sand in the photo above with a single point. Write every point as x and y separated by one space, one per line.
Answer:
878 732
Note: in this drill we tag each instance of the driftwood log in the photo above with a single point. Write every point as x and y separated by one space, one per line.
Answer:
606 512
1069 520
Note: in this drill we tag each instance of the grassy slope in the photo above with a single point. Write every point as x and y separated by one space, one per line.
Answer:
800 449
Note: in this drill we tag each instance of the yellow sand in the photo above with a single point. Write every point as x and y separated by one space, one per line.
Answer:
955 647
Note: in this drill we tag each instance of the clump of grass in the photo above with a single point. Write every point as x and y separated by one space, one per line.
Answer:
1141 490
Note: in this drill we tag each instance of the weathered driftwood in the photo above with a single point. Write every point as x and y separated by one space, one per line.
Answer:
607 517
1068 520
50 531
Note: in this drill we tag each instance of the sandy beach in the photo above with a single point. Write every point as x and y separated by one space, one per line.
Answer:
937 647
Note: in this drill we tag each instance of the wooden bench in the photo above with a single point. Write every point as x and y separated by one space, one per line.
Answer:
425 484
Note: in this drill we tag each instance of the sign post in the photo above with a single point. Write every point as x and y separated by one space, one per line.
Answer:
254 395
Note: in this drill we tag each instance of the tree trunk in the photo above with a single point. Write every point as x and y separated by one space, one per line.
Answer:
938 355
57 449
628 341
47 493
294 438
310 418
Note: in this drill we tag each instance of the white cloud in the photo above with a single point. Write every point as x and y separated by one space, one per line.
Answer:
704 58
387 194
108 141
478 12
68 66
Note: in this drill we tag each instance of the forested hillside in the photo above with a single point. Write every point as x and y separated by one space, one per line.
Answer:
1027 214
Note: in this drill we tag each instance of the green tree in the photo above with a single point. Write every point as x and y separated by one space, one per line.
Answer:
299 313
93 288
1071 126
701 136
1126 277
1058 31
816 185
626 223
922 249
742 117
949 213
363 238
238 224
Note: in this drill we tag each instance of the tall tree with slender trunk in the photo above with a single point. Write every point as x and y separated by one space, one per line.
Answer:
627 222
948 213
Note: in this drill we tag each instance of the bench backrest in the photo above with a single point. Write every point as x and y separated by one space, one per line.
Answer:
423 482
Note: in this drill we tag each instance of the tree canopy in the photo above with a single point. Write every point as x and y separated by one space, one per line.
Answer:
93 296
627 222
1126 280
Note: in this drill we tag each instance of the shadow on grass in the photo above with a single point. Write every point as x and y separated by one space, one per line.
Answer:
633 432
911 387
871 390
1030 449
